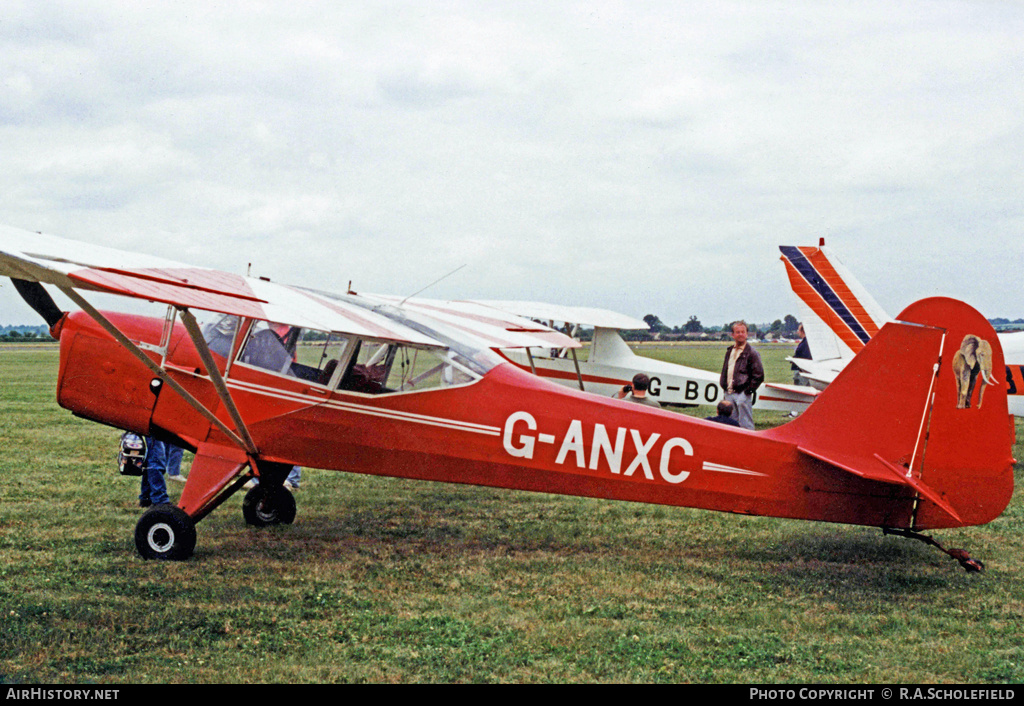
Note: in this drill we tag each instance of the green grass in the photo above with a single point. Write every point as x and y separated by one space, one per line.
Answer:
387 580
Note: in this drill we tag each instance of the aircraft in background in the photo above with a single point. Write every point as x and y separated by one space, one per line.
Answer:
840 317
281 376
611 363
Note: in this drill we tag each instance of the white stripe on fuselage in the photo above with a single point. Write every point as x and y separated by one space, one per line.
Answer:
364 409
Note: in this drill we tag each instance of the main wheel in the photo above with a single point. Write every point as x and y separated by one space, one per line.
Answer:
265 506
165 532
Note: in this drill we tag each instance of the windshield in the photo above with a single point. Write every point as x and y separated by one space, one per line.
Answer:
463 348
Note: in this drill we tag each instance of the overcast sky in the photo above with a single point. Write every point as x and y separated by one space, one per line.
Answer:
647 157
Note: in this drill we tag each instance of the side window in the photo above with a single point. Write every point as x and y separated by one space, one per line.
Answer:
382 368
269 346
369 368
296 352
317 355
220 333
423 369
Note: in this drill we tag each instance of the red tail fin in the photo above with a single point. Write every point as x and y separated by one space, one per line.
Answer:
919 407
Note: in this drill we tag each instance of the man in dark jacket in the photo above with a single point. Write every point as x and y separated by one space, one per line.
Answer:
724 416
742 374
803 350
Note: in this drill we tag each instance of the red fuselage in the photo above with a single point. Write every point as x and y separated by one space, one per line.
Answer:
508 429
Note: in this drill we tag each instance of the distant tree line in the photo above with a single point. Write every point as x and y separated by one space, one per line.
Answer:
780 328
25 333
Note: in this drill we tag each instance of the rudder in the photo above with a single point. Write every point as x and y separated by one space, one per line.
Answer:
892 415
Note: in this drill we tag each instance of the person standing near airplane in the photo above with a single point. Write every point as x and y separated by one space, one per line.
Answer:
174 454
153 490
742 374
803 350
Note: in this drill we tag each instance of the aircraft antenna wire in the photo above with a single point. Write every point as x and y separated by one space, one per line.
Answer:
431 285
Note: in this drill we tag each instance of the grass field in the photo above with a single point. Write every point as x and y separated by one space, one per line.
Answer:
385 580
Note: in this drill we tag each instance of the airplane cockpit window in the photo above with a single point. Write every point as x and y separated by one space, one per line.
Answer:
352 364
383 368
369 368
318 355
419 369
220 333
267 347
296 352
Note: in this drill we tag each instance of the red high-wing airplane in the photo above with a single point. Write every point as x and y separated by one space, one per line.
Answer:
288 376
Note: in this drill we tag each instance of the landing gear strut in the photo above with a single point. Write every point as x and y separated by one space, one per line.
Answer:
970 565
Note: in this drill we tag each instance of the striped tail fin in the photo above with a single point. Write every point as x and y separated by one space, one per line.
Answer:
839 315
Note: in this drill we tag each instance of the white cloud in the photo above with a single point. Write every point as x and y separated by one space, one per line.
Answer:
646 157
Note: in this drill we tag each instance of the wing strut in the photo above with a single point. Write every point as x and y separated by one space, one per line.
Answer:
192 326
156 369
579 375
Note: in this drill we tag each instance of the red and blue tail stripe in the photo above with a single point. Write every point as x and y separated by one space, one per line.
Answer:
814 279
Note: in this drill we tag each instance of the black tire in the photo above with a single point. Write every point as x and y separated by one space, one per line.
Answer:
264 506
165 532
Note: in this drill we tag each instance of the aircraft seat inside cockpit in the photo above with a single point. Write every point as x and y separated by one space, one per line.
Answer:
364 378
328 372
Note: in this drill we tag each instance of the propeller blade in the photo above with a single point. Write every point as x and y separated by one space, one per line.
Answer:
39 299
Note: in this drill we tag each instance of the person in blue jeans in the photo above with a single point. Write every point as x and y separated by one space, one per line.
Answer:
174 463
291 482
154 487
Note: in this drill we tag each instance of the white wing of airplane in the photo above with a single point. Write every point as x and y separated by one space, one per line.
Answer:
492 328
69 264
1013 347
583 315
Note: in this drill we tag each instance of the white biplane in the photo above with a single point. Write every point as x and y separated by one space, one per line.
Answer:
611 363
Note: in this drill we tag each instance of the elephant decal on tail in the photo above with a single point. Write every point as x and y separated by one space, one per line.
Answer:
973 360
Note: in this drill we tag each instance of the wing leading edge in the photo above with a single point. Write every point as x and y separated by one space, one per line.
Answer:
583 315
70 264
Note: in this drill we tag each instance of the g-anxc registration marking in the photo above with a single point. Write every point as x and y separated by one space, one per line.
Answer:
519 442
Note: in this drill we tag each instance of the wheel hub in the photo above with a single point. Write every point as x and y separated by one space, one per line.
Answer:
160 537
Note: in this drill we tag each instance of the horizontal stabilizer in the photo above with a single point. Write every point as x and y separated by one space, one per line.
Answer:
801 390
886 472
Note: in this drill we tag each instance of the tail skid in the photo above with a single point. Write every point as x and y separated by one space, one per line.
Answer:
970 565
